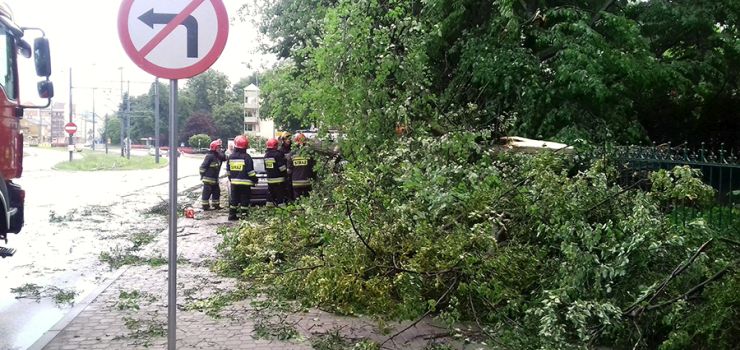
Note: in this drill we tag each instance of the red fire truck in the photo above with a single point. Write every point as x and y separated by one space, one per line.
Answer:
13 48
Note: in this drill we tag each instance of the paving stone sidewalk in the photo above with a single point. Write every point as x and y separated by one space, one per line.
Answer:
131 313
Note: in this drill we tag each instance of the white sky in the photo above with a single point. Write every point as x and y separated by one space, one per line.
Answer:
84 36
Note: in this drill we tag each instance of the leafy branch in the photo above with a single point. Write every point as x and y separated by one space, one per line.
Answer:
357 232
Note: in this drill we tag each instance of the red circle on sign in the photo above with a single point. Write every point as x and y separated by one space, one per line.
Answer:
174 73
70 128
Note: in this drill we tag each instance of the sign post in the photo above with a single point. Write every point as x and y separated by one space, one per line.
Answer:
71 146
156 121
71 129
147 29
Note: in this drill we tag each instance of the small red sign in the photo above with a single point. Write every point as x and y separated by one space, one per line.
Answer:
70 128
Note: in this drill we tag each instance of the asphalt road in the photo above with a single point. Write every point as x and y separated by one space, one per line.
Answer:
71 217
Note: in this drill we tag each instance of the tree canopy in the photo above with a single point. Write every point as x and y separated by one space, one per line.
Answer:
612 70
424 214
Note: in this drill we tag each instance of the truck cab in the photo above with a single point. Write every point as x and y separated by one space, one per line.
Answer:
13 48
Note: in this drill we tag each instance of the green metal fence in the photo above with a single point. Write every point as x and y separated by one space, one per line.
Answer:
720 168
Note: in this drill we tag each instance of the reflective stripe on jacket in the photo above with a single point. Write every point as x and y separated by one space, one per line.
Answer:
211 167
276 166
301 168
240 169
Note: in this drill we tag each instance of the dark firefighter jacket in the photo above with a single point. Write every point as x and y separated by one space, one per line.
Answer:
301 168
240 169
211 167
286 147
276 166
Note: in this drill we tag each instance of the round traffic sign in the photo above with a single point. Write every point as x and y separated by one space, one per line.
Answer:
173 39
70 128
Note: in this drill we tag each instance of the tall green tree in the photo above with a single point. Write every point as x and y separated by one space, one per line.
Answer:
291 25
142 113
281 99
113 130
595 70
697 44
208 90
229 120
198 123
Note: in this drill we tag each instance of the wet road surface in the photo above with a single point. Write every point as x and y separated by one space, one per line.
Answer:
71 218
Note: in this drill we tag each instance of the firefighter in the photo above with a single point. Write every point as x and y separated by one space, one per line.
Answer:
286 148
286 143
276 168
240 170
301 168
209 171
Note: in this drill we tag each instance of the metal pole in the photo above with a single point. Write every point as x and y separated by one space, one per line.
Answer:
172 285
71 141
84 133
93 139
105 134
123 125
128 121
156 120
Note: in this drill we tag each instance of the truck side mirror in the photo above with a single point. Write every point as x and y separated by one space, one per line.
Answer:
42 57
24 48
46 89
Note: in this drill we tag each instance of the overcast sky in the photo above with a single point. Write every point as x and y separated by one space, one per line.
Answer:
84 36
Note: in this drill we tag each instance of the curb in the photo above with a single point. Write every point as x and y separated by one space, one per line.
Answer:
49 335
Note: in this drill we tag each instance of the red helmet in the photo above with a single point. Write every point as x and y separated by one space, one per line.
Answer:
241 142
300 139
215 145
272 144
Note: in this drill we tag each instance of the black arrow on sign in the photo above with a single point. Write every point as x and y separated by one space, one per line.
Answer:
191 25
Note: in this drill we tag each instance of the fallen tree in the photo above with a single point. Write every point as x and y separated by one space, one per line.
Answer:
535 251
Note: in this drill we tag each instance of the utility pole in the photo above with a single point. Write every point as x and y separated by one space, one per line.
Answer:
105 134
93 138
128 121
71 141
120 115
156 121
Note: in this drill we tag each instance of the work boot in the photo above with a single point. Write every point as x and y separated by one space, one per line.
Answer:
216 206
206 207
232 215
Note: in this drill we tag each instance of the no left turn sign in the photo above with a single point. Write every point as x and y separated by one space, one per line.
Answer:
173 39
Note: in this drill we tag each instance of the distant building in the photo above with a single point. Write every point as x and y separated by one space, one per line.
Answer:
44 125
253 124
58 136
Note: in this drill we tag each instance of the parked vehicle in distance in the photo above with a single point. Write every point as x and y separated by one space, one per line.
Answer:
259 190
163 152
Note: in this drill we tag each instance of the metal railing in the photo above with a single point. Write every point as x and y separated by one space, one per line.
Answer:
720 168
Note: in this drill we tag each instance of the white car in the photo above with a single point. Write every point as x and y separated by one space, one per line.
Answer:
162 153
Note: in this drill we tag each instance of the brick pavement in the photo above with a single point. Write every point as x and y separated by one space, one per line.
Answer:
113 321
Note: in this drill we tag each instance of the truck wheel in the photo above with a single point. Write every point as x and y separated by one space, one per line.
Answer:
16 222
3 210
3 228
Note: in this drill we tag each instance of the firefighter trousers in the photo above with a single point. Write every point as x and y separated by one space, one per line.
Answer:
299 192
212 193
276 194
239 198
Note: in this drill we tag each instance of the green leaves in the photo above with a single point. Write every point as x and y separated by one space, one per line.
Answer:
521 239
